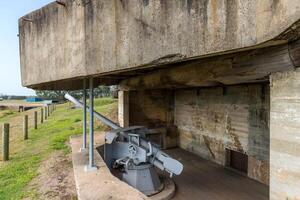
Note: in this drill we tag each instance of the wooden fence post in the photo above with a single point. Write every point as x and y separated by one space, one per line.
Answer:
5 142
25 127
46 114
35 120
42 115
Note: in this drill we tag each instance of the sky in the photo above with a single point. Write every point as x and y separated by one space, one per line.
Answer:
10 75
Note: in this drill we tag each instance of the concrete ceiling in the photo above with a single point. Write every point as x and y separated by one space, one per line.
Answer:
65 42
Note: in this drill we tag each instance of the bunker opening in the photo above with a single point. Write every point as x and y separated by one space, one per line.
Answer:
237 161
193 134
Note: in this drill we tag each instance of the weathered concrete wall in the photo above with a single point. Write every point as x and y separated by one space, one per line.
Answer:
243 67
154 109
123 108
151 108
52 43
97 37
209 120
285 136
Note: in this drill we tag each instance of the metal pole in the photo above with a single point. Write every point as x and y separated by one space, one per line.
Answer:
91 166
5 142
84 116
25 127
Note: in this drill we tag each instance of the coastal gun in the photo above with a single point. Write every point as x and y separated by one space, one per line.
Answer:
128 150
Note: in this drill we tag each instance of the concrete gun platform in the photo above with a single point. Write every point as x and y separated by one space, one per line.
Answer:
101 184
201 179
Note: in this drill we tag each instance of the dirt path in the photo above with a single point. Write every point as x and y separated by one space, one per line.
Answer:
56 178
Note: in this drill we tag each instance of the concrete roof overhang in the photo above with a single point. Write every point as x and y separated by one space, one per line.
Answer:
62 43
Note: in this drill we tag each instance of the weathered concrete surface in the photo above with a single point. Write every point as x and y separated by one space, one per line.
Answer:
285 136
244 67
154 109
207 121
204 180
123 108
151 108
212 120
100 184
62 43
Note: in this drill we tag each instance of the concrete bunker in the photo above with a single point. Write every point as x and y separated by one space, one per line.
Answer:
218 81
220 124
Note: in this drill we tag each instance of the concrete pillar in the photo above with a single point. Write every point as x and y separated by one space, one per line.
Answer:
25 127
123 108
35 120
285 135
5 142
42 115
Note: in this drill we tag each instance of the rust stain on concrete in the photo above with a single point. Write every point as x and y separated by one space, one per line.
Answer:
207 143
258 170
233 136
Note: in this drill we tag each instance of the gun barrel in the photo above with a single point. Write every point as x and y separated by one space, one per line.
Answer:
103 119
160 159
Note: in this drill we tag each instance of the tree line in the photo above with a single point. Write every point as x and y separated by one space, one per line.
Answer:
101 91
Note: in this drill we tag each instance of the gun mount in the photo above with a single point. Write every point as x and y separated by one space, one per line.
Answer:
128 150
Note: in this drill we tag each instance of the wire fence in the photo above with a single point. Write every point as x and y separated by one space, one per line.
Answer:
16 123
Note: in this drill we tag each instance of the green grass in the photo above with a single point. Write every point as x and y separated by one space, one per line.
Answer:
49 137
5 115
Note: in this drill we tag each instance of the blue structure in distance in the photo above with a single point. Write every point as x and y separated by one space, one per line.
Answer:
34 99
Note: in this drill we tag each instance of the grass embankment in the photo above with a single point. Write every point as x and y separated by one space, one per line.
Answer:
51 136
5 115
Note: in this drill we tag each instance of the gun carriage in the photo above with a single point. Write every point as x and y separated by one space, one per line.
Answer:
128 150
